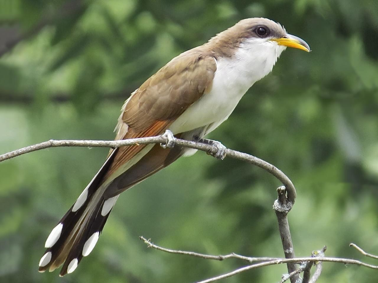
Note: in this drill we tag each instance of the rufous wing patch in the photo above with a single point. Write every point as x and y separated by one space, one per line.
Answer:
155 105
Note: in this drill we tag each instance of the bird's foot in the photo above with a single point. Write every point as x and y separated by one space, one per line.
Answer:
218 151
170 140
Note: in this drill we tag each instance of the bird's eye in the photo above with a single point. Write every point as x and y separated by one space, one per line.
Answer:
262 31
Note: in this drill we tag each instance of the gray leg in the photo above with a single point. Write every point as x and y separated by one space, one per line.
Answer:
170 140
219 150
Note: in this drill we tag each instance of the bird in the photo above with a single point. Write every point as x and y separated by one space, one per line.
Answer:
187 98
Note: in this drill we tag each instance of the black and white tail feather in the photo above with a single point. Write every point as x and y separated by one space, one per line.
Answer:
78 231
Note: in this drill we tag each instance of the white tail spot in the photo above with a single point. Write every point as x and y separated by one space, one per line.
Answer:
54 236
72 266
80 200
90 244
45 259
108 205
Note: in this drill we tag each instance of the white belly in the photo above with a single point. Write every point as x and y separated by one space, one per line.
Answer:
213 107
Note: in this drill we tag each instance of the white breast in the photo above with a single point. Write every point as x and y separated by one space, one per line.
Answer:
234 76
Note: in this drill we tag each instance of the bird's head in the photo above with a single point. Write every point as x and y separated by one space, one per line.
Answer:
251 48
260 34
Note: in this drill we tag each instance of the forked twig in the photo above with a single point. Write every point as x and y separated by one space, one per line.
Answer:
362 251
316 258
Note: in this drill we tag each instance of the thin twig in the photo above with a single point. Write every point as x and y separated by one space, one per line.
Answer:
271 260
78 143
319 265
240 270
205 256
307 272
291 192
317 273
160 139
286 260
306 267
286 277
262 261
362 251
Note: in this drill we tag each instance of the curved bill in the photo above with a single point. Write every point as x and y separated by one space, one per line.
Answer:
293 42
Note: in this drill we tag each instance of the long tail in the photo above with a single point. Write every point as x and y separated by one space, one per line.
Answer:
78 231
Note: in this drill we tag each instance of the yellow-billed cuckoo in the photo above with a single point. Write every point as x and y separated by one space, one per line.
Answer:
190 96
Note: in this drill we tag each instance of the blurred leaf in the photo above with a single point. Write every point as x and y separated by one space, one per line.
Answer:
66 26
9 78
75 48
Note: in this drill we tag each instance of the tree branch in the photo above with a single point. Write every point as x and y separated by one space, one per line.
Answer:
291 260
319 265
211 149
286 196
307 272
362 251
316 258
205 256
282 207
286 277
306 268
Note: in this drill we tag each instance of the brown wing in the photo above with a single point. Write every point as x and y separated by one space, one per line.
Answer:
162 98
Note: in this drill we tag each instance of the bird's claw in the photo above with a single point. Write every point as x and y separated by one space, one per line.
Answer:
218 151
170 140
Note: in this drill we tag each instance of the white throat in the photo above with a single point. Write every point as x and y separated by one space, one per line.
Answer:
253 60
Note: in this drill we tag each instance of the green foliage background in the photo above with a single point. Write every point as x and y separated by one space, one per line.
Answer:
315 117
